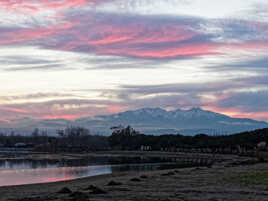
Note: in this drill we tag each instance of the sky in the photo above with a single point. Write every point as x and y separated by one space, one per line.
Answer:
79 58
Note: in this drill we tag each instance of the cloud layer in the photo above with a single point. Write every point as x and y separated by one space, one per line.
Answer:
71 59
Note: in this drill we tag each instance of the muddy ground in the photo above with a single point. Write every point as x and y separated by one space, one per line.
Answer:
233 179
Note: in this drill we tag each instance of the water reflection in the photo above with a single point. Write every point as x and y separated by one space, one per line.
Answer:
16 170
27 164
44 175
18 162
53 174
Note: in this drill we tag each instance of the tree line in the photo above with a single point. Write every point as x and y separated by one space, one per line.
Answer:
71 139
78 139
128 139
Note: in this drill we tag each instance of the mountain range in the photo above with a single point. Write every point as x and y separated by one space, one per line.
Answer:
147 120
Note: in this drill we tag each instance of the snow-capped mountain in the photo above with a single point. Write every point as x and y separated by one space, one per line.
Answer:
195 120
151 121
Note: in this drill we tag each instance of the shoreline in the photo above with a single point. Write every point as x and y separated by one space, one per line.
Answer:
188 184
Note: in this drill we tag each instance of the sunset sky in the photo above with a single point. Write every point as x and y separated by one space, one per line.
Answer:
79 58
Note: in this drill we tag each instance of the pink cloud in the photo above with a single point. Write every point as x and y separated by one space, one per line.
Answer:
147 38
72 114
23 35
57 110
238 113
115 109
35 6
63 116
139 40
12 109
191 50
5 120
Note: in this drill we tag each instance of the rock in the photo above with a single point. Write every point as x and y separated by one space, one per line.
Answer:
96 190
91 187
168 174
64 190
79 196
144 176
114 183
135 179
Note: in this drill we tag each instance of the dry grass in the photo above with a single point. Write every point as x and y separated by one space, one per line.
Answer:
254 177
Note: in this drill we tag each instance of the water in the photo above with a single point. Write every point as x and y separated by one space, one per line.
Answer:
44 175
17 172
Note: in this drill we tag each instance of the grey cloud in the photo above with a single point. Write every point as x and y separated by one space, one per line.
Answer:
190 95
27 63
37 96
47 67
181 87
123 63
259 65
24 60
241 30
247 101
166 95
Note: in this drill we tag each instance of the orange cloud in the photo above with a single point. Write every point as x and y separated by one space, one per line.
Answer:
237 113
258 115
227 111
115 109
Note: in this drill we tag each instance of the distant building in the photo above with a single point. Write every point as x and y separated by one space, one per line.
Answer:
146 148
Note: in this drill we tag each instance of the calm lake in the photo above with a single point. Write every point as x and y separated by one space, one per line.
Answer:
17 172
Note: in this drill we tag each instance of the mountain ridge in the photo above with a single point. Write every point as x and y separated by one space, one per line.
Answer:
149 121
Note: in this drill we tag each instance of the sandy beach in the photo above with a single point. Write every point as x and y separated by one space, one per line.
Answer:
223 181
